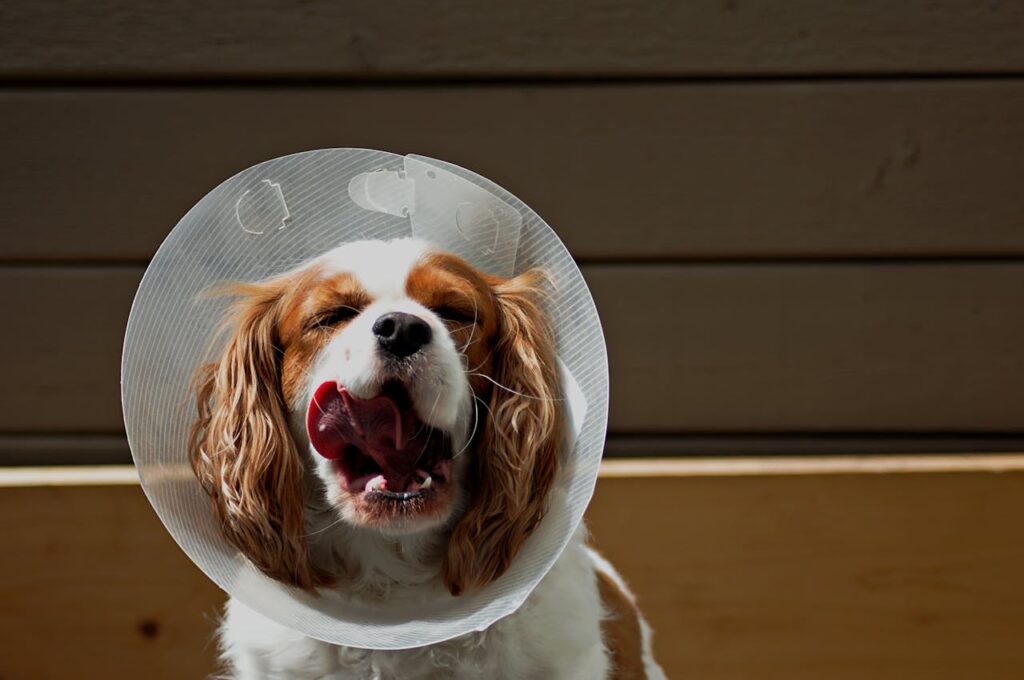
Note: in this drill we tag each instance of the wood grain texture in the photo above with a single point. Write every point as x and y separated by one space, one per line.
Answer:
908 577
92 585
693 348
858 169
509 38
799 576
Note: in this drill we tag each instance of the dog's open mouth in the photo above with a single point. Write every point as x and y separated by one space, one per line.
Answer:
379 446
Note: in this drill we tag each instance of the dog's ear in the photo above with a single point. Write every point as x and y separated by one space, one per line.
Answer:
241 449
516 459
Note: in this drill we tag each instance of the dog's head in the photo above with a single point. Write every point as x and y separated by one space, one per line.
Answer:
423 393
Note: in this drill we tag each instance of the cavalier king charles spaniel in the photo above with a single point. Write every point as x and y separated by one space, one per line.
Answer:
386 416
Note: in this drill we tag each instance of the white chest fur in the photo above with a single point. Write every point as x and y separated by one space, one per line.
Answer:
556 634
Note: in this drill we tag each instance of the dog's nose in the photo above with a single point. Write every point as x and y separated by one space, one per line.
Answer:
401 334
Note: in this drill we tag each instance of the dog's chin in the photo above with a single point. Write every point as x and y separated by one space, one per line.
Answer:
401 513
363 499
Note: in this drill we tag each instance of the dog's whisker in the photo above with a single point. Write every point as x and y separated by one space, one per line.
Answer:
476 423
515 392
323 529
430 417
472 330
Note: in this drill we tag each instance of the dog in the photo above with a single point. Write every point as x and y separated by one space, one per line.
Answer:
385 416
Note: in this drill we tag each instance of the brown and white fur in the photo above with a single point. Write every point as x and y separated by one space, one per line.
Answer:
481 377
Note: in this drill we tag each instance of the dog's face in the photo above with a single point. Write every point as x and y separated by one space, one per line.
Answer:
378 356
423 393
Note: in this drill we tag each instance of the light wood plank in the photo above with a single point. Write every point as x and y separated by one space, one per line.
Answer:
621 171
92 584
768 573
459 38
627 468
695 348
803 577
68 475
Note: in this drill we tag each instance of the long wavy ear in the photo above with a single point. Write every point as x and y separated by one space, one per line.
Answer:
516 458
240 447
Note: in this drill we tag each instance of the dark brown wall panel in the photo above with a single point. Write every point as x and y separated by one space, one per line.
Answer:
694 348
508 38
814 347
625 171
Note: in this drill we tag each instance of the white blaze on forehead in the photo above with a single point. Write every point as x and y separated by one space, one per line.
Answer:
381 267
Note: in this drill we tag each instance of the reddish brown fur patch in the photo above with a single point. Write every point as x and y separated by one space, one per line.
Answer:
445 280
308 298
516 459
621 631
239 445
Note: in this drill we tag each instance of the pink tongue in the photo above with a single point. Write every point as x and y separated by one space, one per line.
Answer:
376 426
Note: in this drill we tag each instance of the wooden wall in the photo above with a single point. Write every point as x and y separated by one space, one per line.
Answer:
816 205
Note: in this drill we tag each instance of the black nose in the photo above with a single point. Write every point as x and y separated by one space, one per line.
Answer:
401 334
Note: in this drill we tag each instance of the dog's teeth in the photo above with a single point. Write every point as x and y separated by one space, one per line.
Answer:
376 484
425 484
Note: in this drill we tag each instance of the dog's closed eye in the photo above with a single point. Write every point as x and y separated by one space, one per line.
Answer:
329 319
456 313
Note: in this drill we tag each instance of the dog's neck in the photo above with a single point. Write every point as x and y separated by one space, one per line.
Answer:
373 564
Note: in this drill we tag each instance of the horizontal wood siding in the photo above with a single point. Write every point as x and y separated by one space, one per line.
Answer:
816 570
508 38
917 169
693 348
802 220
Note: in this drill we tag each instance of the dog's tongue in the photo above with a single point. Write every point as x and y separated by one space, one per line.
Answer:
377 426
